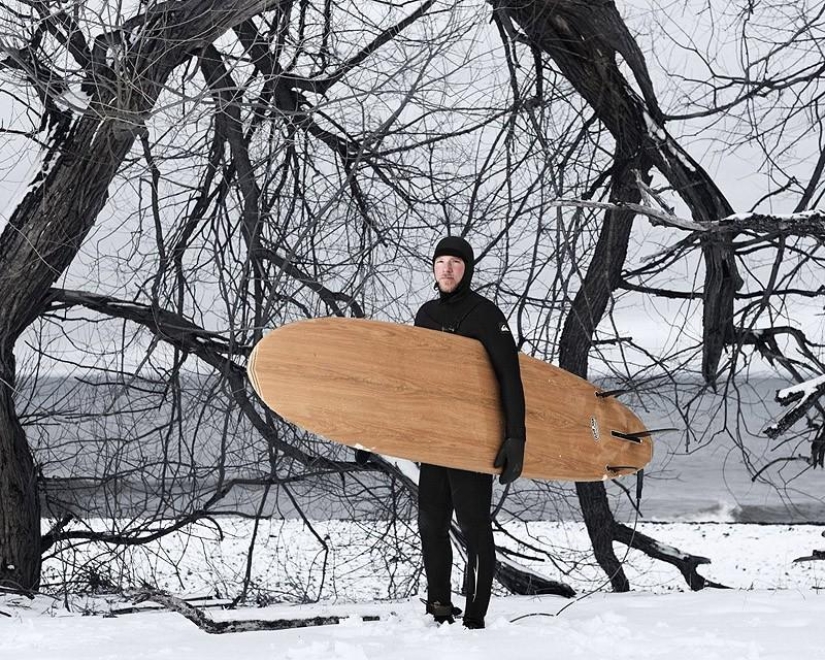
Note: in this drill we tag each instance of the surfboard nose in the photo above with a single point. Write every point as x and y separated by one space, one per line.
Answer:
250 370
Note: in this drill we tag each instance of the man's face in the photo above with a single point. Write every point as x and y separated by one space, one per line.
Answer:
448 272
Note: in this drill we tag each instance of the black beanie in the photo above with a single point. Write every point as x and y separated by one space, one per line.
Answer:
455 246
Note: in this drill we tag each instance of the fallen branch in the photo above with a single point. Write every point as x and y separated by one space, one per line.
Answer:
686 563
816 555
207 624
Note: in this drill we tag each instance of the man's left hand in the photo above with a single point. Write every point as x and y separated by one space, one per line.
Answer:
511 458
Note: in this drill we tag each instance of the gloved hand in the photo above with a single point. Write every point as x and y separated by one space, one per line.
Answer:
511 458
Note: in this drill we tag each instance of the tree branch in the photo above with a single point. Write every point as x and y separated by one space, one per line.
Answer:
207 624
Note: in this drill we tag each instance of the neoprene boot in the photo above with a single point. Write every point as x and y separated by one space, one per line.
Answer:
442 612
472 623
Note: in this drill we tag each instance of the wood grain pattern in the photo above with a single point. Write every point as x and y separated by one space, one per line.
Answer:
432 397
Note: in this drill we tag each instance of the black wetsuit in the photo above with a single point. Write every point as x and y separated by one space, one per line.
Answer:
442 490
472 315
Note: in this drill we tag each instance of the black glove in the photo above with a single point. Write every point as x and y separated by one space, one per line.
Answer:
511 458
362 457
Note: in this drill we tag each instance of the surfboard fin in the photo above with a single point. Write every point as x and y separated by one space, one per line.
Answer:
637 437
615 469
609 393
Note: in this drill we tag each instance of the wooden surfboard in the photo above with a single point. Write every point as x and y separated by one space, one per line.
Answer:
432 397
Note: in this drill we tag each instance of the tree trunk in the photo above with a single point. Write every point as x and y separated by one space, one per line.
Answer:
584 39
46 230
19 504
585 314
598 518
43 236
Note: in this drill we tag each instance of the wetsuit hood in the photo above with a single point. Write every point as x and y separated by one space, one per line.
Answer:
456 246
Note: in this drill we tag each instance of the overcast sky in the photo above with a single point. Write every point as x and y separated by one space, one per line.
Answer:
738 172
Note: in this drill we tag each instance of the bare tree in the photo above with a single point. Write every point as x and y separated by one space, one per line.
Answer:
272 177
760 107
137 75
213 171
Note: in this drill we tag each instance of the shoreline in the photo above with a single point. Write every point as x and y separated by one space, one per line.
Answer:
292 561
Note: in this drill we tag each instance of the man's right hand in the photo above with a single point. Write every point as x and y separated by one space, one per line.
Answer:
510 457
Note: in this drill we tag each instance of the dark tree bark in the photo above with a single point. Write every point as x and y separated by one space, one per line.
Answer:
19 504
42 238
584 39
47 229
586 312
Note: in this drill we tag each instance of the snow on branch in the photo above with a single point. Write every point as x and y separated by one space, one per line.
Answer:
209 625
654 215
806 223
803 396
686 563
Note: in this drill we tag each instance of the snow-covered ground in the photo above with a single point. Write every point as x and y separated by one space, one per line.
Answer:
772 611
729 625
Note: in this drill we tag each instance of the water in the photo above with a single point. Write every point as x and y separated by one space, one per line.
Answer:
710 468
702 472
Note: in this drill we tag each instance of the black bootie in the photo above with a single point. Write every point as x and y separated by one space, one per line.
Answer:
473 623
442 612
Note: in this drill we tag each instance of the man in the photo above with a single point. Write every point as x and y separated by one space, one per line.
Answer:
441 490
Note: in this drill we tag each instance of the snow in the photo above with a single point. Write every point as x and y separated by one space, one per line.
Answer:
806 389
771 612
729 625
407 468
74 98
801 216
802 396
